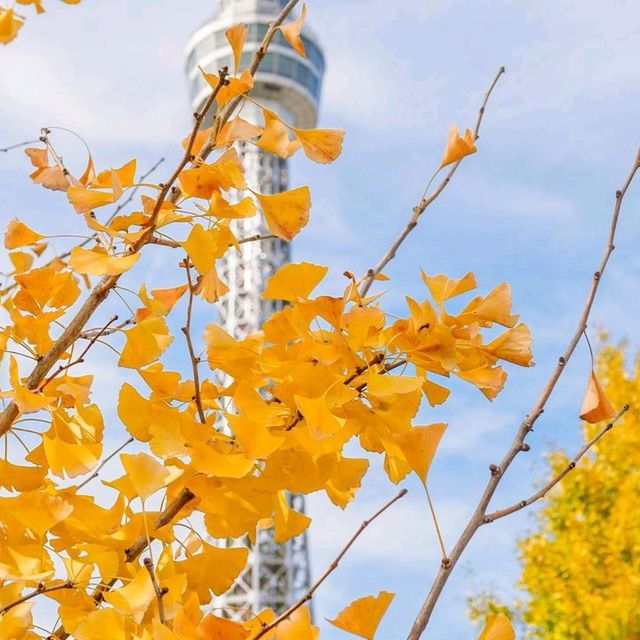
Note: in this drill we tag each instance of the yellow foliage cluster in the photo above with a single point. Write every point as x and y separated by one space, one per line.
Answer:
325 371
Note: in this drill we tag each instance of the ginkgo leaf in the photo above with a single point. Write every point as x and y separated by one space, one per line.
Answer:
202 248
210 287
135 597
363 616
286 212
96 262
288 522
498 627
458 146
146 342
596 406
215 628
236 35
50 177
489 380
27 401
222 208
10 24
275 136
321 145
294 280
443 288
297 626
514 345
146 474
419 445
292 30
236 86
237 129
84 200
19 234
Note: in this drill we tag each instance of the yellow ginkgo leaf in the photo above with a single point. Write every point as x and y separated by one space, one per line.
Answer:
236 35
294 280
235 86
596 406
9 25
321 145
84 200
275 136
237 129
514 345
286 212
222 208
96 262
363 616
27 401
498 627
146 341
442 287
457 146
19 234
134 598
419 445
297 626
146 474
215 628
288 522
292 30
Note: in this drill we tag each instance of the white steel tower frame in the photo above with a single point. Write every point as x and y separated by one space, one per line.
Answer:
275 575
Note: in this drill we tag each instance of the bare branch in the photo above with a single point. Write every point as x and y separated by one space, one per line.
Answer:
542 492
160 591
36 592
329 570
425 201
97 470
518 445
192 354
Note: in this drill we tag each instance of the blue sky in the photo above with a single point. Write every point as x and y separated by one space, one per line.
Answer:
531 207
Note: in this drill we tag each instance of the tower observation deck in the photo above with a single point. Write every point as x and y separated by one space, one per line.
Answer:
276 575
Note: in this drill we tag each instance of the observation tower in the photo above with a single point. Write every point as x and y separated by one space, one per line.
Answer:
276 575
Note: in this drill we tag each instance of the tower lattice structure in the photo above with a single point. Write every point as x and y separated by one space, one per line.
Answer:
276 574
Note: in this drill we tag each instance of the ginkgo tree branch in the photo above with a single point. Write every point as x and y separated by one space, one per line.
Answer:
39 590
160 591
570 466
329 570
96 471
174 244
425 201
518 445
102 289
192 354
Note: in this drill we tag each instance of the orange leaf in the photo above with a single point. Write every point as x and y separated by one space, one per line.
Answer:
286 212
9 25
596 406
97 263
363 616
297 626
292 30
275 136
321 145
442 287
19 234
237 130
498 627
419 445
457 146
294 280
236 35
146 474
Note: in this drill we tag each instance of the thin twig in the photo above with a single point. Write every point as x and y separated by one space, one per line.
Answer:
80 358
192 354
329 570
160 591
104 462
174 244
419 209
542 492
518 445
17 145
36 592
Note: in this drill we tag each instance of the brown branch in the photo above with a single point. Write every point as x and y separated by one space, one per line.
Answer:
80 358
329 570
17 145
160 591
174 244
542 492
133 552
192 354
36 592
425 201
104 462
518 444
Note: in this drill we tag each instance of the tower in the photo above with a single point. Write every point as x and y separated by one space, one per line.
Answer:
275 575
